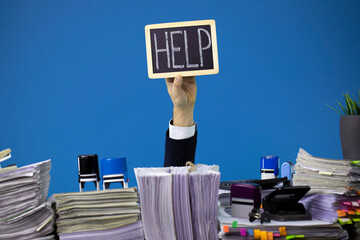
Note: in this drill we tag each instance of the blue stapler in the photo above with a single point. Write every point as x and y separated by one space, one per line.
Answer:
287 170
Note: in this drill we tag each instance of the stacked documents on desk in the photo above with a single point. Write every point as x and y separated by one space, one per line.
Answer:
24 214
335 186
335 208
178 204
241 228
224 200
322 206
326 175
108 214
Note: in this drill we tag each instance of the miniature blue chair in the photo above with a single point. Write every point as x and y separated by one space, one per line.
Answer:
88 168
114 170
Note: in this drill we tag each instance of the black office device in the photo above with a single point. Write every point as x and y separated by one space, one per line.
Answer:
283 204
265 184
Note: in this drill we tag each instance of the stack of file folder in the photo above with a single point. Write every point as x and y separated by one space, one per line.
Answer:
326 175
109 214
335 187
24 213
179 204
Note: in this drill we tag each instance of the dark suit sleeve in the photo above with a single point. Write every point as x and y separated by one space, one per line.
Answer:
178 152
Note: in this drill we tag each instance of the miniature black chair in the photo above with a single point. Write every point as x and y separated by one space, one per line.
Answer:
88 167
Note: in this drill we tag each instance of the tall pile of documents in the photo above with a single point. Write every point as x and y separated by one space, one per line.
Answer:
24 214
179 204
335 188
109 214
326 175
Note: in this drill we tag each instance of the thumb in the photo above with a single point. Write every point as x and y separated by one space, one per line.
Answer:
178 81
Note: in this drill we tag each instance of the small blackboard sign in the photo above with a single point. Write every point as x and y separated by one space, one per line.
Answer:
181 48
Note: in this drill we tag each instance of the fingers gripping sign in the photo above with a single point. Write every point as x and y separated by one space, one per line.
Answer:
182 91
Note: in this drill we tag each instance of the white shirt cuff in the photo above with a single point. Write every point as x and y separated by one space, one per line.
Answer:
179 133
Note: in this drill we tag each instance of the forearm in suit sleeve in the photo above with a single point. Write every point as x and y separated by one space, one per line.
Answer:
178 152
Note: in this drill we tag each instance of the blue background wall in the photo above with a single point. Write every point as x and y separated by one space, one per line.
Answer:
73 80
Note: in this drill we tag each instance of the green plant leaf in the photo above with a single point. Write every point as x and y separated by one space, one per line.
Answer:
351 106
348 108
333 109
356 107
342 107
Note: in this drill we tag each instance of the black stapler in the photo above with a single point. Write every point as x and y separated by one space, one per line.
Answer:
283 204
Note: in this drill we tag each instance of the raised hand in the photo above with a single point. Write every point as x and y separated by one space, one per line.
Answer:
182 91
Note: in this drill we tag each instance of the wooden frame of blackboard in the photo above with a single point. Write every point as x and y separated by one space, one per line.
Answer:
215 68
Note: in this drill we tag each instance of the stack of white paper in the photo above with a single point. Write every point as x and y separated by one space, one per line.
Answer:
204 189
35 223
224 200
90 215
322 206
325 175
131 231
181 204
333 207
23 211
156 201
335 186
176 204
